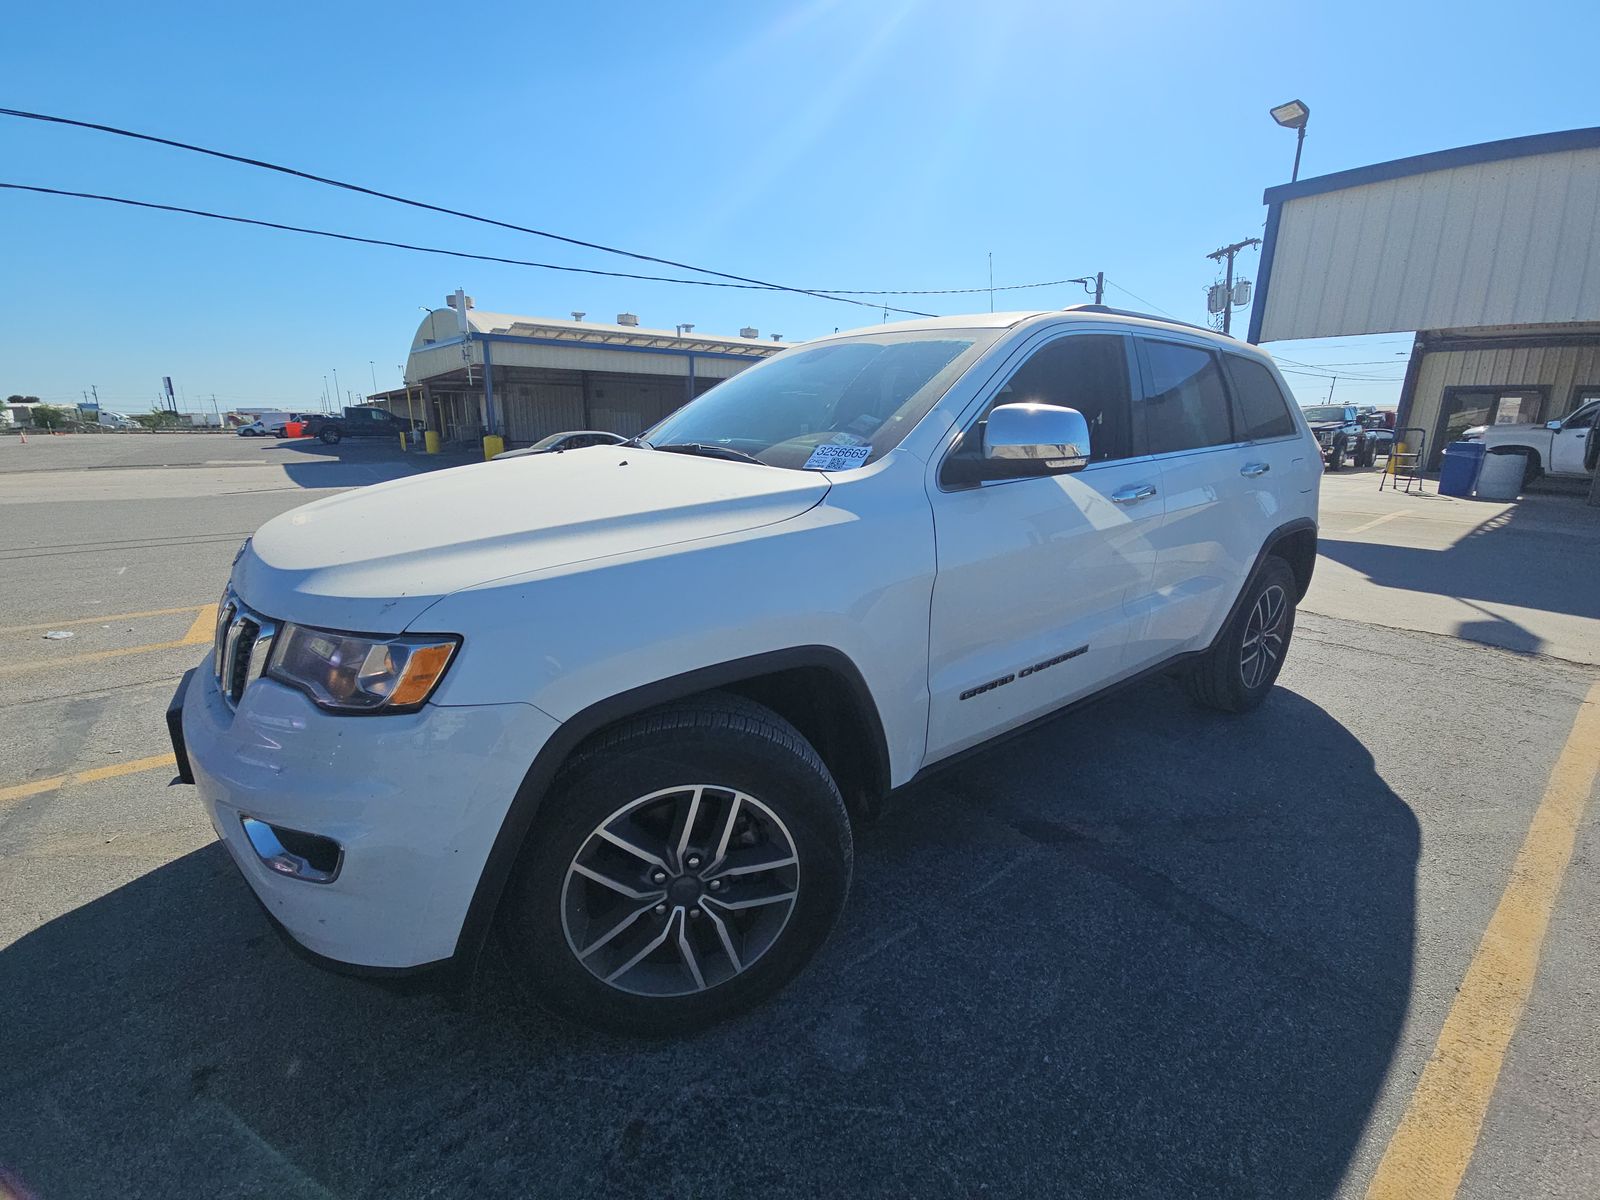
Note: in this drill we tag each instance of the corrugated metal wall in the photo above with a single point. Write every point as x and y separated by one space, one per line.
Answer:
1512 242
536 406
1561 369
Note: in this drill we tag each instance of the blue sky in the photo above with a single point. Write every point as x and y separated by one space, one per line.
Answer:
829 144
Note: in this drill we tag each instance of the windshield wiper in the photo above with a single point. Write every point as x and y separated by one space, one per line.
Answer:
705 451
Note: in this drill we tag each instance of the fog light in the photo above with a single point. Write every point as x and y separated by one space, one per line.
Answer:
304 856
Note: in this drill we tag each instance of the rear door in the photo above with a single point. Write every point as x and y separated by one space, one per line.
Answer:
1210 478
1039 579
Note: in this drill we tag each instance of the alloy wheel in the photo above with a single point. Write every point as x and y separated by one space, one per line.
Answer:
680 890
1263 636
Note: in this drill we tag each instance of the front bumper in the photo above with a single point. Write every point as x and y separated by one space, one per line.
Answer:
413 801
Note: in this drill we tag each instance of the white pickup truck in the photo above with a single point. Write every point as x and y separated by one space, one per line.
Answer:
1563 447
625 702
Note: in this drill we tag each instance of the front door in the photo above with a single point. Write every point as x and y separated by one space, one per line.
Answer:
1040 580
1571 441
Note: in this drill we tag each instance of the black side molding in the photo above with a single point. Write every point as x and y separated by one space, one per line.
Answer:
175 727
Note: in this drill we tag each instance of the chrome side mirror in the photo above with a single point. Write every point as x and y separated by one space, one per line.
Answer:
1036 439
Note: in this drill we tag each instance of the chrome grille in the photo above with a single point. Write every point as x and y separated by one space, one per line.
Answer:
244 641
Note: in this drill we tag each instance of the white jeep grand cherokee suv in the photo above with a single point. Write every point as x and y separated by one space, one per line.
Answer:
624 703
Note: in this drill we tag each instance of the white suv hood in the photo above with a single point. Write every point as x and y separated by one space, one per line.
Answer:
373 560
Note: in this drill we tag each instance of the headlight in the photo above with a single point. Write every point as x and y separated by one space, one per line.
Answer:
344 672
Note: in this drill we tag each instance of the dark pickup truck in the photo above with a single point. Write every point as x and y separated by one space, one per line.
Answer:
356 422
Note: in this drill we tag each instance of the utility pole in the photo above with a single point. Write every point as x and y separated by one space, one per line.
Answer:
336 387
215 411
1093 285
991 281
1331 386
1227 252
96 392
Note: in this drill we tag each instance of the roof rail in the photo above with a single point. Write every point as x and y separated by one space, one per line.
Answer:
1128 312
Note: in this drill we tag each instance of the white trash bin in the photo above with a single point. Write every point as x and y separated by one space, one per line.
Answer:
1501 476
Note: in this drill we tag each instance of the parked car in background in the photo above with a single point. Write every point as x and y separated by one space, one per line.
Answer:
270 424
1379 424
1564 447
576 439
1341 434
117 420
357 421
628 712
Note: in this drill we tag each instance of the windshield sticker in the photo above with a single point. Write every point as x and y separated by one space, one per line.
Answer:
831 457
845 439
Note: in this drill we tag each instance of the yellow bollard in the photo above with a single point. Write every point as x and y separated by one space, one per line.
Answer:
493 444
1392 465
403 446
430 441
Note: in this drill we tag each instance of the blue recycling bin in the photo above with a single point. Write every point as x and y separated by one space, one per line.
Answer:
1459 474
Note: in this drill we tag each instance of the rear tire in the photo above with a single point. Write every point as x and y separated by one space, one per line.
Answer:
751 790
330 437
1242 665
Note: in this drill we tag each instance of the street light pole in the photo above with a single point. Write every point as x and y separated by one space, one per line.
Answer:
336 401
373 368
1294 115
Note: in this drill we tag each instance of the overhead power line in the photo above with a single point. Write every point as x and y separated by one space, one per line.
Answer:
351 237
437 208
494 258
1141 299
1009 287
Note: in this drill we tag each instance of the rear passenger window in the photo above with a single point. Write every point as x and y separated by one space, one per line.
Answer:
1185 405
1085 371
1260 410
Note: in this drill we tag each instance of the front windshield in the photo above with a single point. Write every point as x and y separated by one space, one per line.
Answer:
1327 412
834 406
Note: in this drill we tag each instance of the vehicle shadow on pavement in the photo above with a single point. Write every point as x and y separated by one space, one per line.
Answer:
1542 555
356 462
1143 950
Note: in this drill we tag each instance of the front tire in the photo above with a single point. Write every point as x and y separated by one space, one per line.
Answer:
686 864
1242 665
1336 455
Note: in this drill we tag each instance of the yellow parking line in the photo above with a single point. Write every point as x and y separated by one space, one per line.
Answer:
108 618
1429 1152
200 633
204 627
35 787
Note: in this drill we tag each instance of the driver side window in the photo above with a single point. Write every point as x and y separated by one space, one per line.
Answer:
1582 419
1085 371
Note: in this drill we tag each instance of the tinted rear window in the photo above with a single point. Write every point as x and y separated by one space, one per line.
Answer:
1260 411
1186 405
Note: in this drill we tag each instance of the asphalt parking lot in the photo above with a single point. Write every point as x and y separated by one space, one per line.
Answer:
1343 946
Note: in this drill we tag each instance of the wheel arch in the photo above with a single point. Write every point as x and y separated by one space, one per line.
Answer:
817 689
1296 543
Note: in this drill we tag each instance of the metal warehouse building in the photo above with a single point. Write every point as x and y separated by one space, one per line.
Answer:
1491 253
472 373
